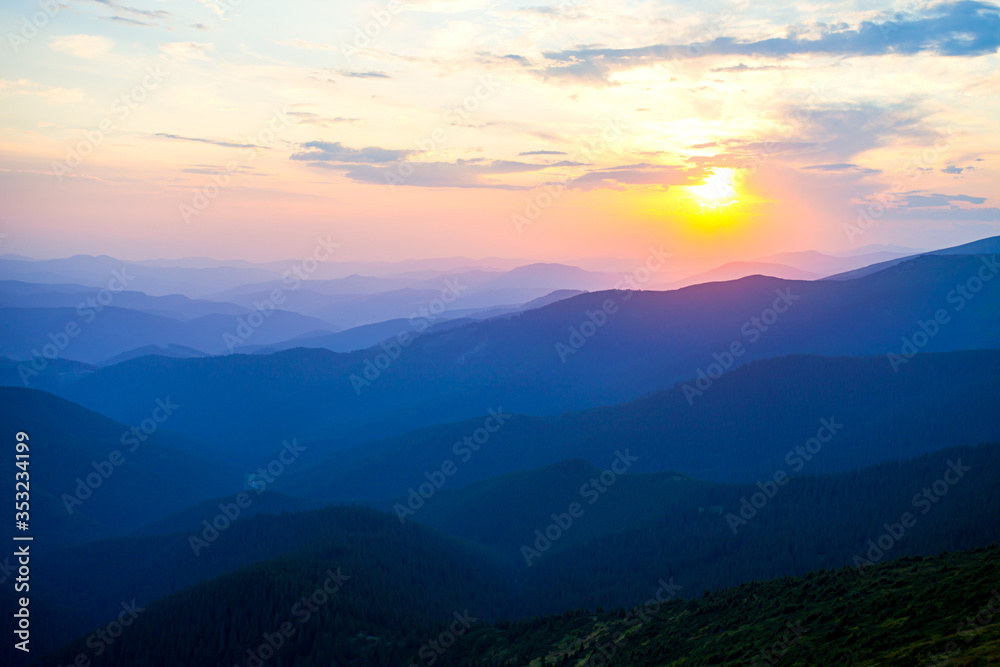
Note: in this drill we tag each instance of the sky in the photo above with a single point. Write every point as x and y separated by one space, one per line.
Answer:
557 131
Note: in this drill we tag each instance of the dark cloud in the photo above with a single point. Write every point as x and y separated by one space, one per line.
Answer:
542 153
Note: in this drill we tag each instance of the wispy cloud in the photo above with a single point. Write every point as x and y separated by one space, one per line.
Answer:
214 142
81 46
617 178
367 75
542 153
965 28
336 152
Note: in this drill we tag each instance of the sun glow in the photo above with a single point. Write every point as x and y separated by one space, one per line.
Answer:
718 190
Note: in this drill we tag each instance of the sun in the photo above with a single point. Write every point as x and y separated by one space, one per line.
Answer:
717 190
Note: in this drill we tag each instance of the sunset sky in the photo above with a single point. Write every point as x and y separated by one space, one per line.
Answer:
560 131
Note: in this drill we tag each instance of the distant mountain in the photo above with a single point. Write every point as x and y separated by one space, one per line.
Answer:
56 374
987 246
190 519
741 430
104 333
171 350
879 247
737 270
824 265
154 280
541 361
17 294
370 335
82 490
356 301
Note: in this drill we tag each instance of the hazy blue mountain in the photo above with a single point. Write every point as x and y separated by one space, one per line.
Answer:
369 335
987 246
825 265
17 294
81 489
744 428
541 361
171 350
26 333
737 270
194 282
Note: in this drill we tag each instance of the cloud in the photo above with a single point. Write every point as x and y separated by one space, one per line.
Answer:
962 29
325 151
952 169
367 75
460 174
133 15
747 68
382 165
215 169
214 142
187 50
843 166
617 178
56 96
310 118
542 153
303 44
935 200
81 46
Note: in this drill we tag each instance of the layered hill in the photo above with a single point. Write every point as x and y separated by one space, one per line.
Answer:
593 349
